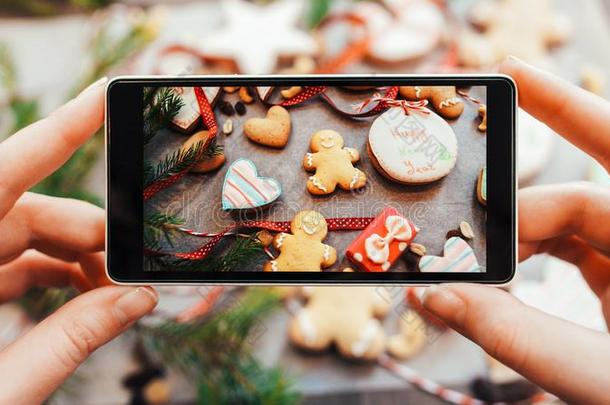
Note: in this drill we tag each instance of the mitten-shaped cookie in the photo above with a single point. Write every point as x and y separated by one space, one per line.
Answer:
333 164
303 250
444 99
345 316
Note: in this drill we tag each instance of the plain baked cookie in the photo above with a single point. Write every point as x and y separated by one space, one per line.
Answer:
412 148
303 250
444 99
333 164
347 317
273 130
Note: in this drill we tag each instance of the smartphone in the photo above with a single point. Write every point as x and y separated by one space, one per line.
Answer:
337 179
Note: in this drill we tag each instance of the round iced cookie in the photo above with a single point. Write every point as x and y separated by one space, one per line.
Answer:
413 148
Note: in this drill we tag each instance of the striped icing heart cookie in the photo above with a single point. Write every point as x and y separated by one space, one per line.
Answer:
244 189
458 257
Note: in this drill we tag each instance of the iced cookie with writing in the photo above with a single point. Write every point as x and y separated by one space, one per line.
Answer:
382 242
413 148
347 317
243 188
411 337
303 250
444 99
212 158
272 131
333 164
482 187
458 257
188 117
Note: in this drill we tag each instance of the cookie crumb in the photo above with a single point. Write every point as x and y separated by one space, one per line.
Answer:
245 96
291 92
466 230
227 127
265 237
418 249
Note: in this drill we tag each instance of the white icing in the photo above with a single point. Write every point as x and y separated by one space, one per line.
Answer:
449 102
317 183
355 178
280 240
328 142
308 329
309 157
352 153
417 91
358 257
377 247
326 252
414 148
402 246
274 265
386 266
367 336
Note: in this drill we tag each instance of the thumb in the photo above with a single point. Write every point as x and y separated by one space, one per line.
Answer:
542 348
40 361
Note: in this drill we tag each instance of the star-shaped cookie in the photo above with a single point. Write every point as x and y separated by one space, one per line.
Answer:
255 36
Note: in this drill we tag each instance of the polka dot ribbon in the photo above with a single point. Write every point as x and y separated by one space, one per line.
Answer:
207 115
334 224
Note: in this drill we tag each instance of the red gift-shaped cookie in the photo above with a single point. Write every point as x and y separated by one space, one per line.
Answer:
382 242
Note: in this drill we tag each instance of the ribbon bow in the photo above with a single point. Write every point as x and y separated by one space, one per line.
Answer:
407 106
377 248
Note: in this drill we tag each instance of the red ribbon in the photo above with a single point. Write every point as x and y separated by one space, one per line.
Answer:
334 224
207 115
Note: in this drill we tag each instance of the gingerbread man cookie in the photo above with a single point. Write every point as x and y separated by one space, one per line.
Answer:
303 250
333 164
345 316
444 99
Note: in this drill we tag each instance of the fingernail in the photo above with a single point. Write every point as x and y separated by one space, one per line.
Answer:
135 303
98 83
444 303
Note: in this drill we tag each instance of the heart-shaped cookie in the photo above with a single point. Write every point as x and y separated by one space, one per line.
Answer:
272 130
458 257
244 189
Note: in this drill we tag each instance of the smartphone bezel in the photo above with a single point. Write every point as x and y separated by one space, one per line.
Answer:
124 185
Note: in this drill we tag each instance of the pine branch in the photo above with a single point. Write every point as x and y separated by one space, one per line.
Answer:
216 353
173 163
159 226
161 106
242 251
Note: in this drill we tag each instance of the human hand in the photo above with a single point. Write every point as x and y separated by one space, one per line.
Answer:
569 221
48 241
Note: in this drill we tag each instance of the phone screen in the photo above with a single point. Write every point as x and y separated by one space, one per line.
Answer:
267 179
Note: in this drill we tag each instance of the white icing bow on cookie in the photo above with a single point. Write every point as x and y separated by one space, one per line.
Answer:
378 248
